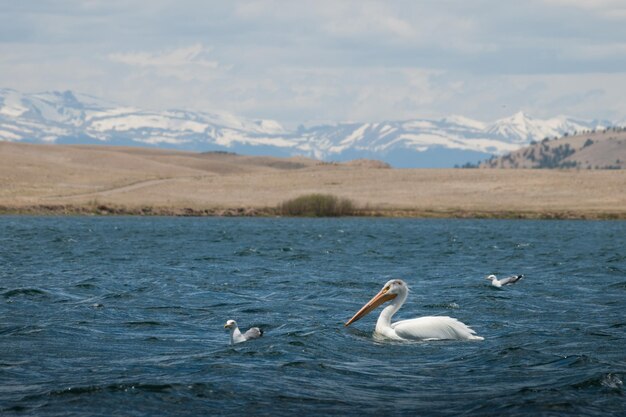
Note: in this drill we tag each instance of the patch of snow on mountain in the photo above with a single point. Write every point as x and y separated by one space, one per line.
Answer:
148 121
464 122
433 139
270 126
12 104
562 124
492 146
386 129
156 140
229 138
354 137
418 124
519 129
113 112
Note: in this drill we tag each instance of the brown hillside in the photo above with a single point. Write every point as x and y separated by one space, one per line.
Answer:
101 179
593 150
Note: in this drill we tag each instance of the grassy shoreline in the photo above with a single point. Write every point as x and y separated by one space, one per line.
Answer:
91 180
112 210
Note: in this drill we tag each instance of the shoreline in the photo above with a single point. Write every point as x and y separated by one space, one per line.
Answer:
104 210
91 180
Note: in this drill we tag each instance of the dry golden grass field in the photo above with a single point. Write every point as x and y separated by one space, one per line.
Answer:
81 179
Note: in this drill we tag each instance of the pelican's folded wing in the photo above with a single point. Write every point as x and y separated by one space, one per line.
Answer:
434 328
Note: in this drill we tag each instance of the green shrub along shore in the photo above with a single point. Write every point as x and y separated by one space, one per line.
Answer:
318 205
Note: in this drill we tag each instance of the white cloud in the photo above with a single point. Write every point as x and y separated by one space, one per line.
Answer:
187 63
593 51
325 59
610 9
371 21
347 19
181 57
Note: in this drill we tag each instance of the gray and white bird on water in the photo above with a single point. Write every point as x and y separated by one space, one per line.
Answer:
499 283
237 337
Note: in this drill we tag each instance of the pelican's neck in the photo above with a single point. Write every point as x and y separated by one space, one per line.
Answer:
384 320
496 283
235 335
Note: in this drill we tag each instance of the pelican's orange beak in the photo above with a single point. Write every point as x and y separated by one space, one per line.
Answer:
380 298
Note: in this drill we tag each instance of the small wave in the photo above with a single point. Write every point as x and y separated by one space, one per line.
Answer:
617 258
598 333
448 306
172 309
115 296
306 400
527 356
615 269
296 364
144 323
86 285
20 330
611 381
64 240
29 292
297 257
10 365
255 310
619 285
511 349
247 252
607 380
205 258
573 361
15 408
89 389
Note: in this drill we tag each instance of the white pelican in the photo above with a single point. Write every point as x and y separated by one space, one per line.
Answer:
237 337
421 328
504 281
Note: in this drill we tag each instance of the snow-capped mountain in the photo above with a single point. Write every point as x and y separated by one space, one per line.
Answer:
522 129
66 117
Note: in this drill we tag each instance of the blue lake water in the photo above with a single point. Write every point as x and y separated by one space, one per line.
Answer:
124 316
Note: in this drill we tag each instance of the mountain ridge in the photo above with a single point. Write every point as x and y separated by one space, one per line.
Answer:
73 118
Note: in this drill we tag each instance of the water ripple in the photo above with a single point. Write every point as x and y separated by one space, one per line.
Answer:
124 316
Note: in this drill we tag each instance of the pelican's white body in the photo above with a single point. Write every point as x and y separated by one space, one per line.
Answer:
421 328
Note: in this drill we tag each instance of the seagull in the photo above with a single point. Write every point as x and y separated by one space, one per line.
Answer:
504 281
421 328
237 337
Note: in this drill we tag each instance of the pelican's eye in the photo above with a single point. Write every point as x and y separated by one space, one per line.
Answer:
386 289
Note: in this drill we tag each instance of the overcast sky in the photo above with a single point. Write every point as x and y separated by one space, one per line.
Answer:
336 60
